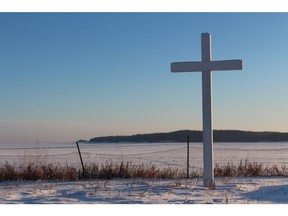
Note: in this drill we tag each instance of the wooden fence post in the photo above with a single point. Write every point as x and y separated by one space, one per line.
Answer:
188 157
80 158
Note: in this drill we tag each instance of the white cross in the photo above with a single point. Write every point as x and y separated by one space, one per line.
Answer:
206 66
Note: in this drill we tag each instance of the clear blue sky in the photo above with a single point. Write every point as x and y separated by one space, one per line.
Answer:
66 76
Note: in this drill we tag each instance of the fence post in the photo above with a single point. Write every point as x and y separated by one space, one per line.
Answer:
80 158
188 157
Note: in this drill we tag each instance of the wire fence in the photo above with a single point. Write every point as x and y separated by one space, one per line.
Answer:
162 155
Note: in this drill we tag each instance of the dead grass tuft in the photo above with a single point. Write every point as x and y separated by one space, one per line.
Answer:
110 170
247 168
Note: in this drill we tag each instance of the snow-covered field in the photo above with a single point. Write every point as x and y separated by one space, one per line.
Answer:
256 190
238 190
160 154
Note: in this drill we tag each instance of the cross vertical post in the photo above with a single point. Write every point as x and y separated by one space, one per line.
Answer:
206 66
207 112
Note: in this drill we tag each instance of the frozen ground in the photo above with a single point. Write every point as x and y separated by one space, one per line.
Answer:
259 190
160 154
146 191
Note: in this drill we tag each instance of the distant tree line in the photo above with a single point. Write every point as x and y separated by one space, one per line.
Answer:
196 136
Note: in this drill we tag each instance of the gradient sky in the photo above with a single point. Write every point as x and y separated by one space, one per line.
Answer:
70 76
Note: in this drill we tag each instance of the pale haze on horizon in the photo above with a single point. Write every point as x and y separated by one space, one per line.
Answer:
70 76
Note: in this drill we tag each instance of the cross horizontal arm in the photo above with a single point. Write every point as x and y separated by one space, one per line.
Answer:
206 66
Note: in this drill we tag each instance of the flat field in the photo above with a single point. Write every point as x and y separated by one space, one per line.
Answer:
172 155
228 190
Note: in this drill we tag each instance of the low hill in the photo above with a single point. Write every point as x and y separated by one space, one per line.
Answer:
196 136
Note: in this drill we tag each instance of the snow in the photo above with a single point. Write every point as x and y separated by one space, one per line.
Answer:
159 154
238 190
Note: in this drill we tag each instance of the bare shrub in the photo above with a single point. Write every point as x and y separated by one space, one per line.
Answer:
274 171
250 168
247 168
110 170
7 172
228 170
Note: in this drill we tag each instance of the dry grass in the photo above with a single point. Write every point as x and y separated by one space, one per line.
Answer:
110 170
247 168
33 171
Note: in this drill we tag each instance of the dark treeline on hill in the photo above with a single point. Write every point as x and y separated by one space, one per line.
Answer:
196 136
